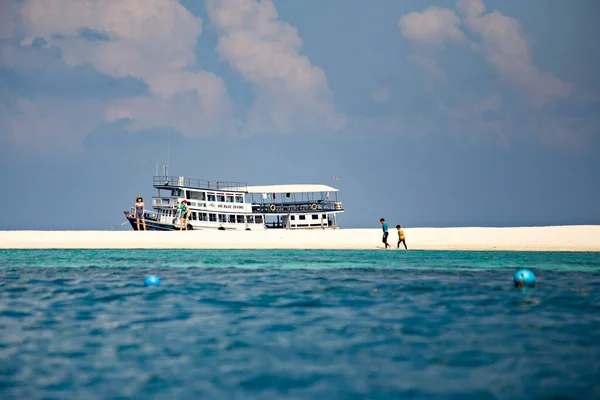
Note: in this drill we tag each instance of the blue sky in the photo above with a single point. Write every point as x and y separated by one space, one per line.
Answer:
431 113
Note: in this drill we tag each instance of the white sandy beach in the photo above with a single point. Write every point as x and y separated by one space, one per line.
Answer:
552 238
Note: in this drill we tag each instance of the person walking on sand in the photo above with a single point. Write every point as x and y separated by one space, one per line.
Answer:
401 237
139 212
384 226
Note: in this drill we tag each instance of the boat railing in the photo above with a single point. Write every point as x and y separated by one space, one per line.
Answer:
182 181
163 201
290 207
148 214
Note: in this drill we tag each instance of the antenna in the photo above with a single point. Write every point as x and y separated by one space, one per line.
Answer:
169 149
166 167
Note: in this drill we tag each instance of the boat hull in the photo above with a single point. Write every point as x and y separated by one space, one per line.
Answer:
152 224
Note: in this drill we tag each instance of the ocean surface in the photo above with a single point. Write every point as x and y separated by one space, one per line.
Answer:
79 324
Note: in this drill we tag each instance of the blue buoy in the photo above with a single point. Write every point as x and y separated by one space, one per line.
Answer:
152 280
524 278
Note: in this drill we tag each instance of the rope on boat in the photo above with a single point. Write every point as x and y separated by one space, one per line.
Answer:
118 226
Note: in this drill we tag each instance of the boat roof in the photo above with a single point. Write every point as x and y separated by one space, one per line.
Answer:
297 188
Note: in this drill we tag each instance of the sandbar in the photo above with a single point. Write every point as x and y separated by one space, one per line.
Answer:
547 238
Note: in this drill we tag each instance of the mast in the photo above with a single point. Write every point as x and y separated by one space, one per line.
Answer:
166 167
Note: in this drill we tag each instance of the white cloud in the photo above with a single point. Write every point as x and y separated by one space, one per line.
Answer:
186 110
505 47
154 41
434 26
502 44
291 93
431 30
151 40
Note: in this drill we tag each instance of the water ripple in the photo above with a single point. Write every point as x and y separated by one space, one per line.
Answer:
297 324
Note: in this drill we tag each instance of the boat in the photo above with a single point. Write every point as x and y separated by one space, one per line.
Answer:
222 205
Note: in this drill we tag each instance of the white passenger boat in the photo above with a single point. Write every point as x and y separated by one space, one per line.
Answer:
237 206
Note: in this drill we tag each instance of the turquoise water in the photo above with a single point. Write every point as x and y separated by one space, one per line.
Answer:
298 324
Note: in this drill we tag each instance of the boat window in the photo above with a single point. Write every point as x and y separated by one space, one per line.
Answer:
232 218
250 219
302 217
222 218
203 216
240 219
212 217
211 197
230 198
175 192
293 217
191 195
220 197
239 198
324 216
194 216
315 216
258 219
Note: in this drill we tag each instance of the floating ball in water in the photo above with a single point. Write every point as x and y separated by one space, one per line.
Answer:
152 280
524 278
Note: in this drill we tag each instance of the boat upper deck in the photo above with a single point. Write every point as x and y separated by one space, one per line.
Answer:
169 182
294 188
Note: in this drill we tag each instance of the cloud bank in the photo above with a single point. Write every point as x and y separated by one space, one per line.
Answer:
154 42
150 56
498 37
150 40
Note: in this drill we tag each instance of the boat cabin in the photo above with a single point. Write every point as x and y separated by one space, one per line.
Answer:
296 206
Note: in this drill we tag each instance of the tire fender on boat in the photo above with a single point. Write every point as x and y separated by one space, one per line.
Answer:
272 207
313 207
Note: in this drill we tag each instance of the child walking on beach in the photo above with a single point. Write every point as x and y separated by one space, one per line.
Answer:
384 226
401 237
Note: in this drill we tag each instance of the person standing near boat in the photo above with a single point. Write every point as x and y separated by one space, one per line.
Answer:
401 237
384 226
183 215
139 212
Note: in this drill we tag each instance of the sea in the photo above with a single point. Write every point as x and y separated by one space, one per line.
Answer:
271 324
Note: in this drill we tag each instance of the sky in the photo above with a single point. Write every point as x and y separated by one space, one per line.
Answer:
430 113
